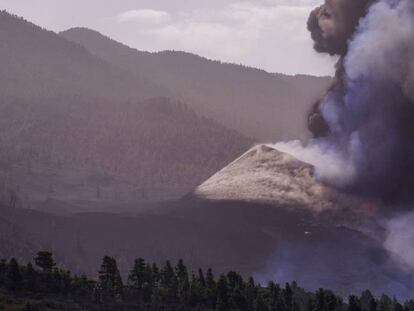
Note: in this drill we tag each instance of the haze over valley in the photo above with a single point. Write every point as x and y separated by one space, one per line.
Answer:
109 151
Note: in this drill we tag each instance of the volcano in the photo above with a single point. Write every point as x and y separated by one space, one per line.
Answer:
266 175
321 235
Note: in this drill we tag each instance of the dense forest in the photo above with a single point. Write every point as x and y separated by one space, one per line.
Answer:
46 286
158 147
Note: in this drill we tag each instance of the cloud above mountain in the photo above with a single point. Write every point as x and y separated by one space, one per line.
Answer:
145 17
269 34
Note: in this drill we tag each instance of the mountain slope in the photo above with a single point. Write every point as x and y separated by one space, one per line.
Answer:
75 127
39 63
81 150
267 106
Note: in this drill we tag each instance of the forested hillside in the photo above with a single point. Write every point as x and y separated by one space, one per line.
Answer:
75 127
115 151
39 63
43 285
266 106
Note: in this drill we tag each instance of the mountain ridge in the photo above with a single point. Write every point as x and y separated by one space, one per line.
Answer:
90 33
250 100
74 125
40 63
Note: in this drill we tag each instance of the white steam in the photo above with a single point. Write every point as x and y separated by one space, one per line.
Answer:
377 73
383 46
330 165
400 239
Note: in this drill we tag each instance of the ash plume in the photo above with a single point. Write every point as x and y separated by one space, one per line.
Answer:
363 128
334 23
400 234
366 118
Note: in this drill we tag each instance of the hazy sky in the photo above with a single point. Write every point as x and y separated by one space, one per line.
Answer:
269 34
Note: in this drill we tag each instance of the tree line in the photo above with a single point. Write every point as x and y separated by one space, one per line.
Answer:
168 287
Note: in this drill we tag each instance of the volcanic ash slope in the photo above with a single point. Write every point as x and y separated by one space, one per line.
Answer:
266 175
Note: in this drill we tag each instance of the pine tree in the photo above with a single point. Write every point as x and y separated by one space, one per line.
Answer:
195 293
222 294
137 276
409 305
44 260
288 297
55 281
385 303
169 283
184 291
155 272
354 304
310 305
30 277
14 279
236 291
3 272
274 295
251 294
59 281
201 278
109 287
181 271
366 297
320 300
81 286
398 306
183 282
66 280
260 304
156 298
151 281
211 288
331 301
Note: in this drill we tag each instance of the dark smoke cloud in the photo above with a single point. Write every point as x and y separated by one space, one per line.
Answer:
409 83
367 115
333 24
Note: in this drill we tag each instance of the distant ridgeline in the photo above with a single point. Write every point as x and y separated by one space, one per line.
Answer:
46 286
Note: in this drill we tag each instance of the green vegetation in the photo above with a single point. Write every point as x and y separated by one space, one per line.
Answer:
170 287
